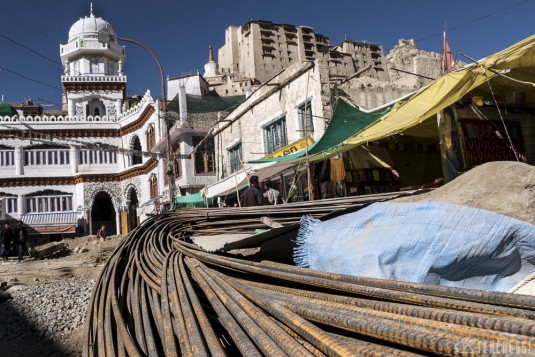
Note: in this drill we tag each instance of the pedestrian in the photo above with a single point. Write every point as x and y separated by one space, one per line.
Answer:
271 194
101 233
252 196
21 237
7 241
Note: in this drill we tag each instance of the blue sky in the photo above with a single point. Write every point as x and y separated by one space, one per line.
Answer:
179 32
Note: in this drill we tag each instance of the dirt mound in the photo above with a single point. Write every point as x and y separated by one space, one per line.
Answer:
90 247
505 187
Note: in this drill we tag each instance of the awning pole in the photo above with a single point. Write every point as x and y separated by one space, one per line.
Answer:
237 192
305 124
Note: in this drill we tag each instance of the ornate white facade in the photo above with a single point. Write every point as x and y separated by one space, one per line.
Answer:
92 162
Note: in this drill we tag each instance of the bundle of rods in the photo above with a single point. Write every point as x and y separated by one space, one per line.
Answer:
159 295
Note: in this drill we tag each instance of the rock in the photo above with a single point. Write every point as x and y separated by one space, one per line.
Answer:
13 280
35 279
3 283
4 296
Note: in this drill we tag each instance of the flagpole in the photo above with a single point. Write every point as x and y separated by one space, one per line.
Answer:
444 65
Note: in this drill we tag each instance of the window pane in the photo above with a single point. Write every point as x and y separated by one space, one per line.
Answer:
276 135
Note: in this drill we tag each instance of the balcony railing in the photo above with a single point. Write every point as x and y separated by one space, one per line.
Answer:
92 44
93 79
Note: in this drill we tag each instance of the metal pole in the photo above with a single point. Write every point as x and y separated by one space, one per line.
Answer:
169 172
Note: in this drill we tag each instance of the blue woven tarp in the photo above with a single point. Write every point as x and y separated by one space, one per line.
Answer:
428 242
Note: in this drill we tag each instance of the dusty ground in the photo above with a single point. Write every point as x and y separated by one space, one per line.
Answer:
75 269
85 264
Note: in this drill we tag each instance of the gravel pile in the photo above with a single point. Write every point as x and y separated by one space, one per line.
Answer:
44 319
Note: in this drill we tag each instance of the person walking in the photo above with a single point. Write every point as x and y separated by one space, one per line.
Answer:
7 241
252 196
21 237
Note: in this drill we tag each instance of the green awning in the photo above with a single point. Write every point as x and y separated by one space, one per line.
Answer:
346 122
194 200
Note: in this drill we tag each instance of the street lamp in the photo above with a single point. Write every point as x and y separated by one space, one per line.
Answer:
105 37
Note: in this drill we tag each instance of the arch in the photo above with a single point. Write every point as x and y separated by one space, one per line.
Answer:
103 213
95 106
92 189
135 157
132 203
129 189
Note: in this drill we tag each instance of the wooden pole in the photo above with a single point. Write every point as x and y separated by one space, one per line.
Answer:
305 132
237 192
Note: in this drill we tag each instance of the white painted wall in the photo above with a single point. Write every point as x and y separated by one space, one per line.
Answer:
247 122
193 84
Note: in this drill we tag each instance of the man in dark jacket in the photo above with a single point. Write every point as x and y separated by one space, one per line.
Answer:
252 196
6 240
21 237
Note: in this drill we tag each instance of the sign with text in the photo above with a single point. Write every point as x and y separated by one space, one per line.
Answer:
59 229
292 148
486 140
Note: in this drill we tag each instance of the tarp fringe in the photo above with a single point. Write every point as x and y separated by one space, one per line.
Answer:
301 250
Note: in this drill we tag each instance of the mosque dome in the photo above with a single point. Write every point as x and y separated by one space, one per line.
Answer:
89 27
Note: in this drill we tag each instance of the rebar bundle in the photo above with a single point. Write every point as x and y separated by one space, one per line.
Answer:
160 295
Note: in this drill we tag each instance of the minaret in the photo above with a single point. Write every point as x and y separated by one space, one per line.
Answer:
93 82
211 69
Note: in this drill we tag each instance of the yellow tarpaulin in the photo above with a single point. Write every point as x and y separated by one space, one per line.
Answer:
445 91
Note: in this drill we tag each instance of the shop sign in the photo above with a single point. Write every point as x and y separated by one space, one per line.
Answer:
53 229
292 148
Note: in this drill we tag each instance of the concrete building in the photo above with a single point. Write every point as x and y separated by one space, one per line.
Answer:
69 172
195 108
261 49
272 118
359 70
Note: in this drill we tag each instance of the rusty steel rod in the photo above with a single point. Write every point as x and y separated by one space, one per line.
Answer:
159 294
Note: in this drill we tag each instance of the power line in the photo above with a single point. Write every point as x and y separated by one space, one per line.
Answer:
28 78
475 20
31 50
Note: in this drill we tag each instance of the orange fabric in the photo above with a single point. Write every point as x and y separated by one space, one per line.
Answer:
338 171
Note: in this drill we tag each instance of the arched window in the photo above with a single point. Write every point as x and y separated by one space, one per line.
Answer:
97 112
137 157
153 181
151 139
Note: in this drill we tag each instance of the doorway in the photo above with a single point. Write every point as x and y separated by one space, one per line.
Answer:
103 213
133 204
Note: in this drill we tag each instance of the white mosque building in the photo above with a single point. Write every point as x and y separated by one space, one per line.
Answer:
91 164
